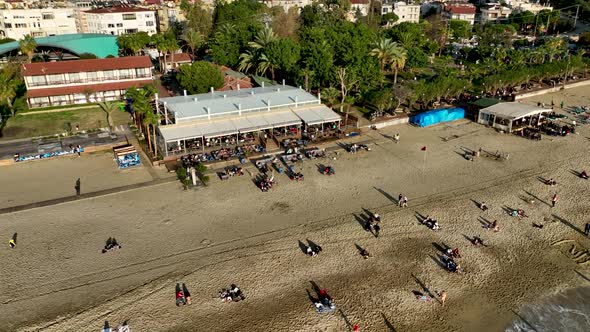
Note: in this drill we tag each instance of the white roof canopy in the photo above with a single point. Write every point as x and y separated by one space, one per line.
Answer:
513 110
316 115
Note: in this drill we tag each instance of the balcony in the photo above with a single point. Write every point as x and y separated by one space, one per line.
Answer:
89 80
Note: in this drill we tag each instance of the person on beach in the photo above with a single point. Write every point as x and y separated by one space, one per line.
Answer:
187 294
365 254
179 296
495 226
11 243
443 297
399 200
554 200
124 327
77 187
376 228
483 206
587 229
396 138
405 201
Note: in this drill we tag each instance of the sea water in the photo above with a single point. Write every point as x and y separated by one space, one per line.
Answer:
568 312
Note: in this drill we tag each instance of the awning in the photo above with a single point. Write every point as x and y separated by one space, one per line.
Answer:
257 122
317 115
222 128
282 119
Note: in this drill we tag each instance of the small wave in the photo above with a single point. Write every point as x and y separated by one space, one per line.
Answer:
568 311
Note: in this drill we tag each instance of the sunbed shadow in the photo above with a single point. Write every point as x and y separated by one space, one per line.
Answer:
537 198
576 173
387 195
441 248
567 223
361 220
346 320
484 221
525 321
423 286
438 262
389 326
583 276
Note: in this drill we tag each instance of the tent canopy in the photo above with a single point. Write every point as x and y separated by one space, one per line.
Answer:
317 115
438 115
513 110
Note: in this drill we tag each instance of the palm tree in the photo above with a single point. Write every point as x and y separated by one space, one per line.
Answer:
8 87
28 45
247 61
109 107
383 50
553 46
193 40
398 60
151 119
264 38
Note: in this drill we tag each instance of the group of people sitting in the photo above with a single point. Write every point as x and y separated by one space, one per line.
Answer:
233 294
493 226
111 245
551 182
353 148
183 296
313 250
328 170
266 183
431 223
518 213
324 302
372 224
453 253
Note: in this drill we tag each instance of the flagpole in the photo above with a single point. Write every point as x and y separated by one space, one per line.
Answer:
424 164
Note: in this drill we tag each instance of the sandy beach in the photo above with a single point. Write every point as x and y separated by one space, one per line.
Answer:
57 279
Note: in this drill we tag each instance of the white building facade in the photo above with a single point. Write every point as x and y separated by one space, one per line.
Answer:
121 20
16 23
404 11
494 13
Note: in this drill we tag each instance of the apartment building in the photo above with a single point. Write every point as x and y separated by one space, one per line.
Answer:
169 14
494 13
404 11
121 20
84 81
15 23
464 12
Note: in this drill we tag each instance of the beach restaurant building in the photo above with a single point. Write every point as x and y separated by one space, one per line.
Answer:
512 116
194 123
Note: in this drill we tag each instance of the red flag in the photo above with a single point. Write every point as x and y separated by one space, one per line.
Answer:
423 148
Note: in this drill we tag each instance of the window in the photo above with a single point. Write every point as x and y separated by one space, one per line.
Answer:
20 25
74 77
8 25
119 25
127 17
92 76
149 23
130 31
55 79
37 80
108 74
48 16
124 73
148 15
110 25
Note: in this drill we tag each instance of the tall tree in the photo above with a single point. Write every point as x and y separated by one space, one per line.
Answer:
28 45
383 50
193 40
398 60
199 77
8 89
109 107
198 18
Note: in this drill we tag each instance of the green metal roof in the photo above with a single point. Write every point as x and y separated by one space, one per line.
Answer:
98 44
485 102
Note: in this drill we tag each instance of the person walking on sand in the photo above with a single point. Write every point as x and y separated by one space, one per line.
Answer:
443 297
396 138
587 229
554 200
399 200
405 201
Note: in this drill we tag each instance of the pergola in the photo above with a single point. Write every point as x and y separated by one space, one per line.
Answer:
510 116
230 115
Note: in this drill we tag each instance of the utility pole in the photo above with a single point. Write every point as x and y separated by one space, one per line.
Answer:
576 17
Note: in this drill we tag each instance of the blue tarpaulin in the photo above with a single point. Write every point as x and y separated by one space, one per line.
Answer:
436 116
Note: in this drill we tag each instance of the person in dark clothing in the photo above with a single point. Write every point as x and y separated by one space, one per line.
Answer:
376 228
587 229
187 294
77 187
